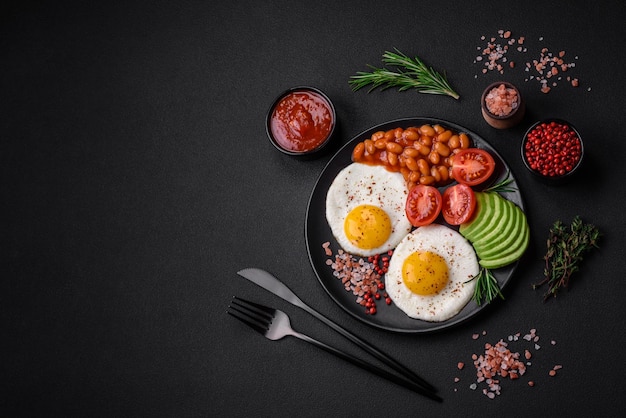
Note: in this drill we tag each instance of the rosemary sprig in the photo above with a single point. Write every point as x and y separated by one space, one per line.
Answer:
410 73
565 250
503 186
487 287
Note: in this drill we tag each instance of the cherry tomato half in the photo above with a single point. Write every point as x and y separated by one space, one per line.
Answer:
472 166
423 204
459 203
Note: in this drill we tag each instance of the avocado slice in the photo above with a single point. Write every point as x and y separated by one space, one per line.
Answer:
503 226
494 219
484 210
500 244
517 250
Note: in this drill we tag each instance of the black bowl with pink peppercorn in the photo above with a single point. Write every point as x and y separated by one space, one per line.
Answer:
552 150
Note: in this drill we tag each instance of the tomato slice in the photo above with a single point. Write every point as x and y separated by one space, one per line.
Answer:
472 166
423 204
459 204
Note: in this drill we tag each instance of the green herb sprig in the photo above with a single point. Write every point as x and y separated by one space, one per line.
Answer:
487 287
503 186
410 73
565 249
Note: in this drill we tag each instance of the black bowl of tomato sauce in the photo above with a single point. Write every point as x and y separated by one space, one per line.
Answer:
552 150
301 121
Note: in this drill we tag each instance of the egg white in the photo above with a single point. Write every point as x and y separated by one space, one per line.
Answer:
360 184
462 266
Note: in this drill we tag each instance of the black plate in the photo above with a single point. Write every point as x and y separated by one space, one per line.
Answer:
317 231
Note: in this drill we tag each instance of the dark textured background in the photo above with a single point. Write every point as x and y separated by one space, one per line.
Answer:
136 180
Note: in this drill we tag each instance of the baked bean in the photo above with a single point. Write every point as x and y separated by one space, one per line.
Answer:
389 135
444 136
397 133
454 141
465 141
414 176
411 164
358 152
434 157
380 143
369 146
394 147
423 149
435 173
423 166
411 152
438 129
427 180
406 173
426 140
378 135
427 130
392 158
442 149
443 172
411 134
410 185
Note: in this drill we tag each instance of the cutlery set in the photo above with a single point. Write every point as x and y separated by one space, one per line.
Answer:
274 325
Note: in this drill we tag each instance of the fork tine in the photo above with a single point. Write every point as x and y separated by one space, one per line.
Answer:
246 319
256 308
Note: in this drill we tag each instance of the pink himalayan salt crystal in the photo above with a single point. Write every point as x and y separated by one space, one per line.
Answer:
501 101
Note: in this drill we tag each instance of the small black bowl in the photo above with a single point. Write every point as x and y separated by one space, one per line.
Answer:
572 150
502 121
315 107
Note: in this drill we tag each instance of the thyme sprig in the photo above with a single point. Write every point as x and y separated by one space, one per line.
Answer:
565 249
487 287
409 73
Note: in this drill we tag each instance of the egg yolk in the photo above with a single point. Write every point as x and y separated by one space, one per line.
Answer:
425 273
367 226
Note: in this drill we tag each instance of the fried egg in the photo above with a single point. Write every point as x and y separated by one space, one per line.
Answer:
365 209
429 273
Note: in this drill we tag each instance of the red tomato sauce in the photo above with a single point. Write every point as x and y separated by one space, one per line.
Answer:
301 121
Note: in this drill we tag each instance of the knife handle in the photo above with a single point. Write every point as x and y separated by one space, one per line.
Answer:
400 380
373 350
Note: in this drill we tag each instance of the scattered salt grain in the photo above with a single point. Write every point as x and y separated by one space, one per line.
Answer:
547 65
499 363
